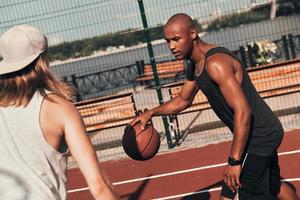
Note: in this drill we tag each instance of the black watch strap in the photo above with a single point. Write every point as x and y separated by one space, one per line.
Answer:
233 162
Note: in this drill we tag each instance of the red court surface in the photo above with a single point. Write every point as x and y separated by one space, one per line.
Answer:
186 174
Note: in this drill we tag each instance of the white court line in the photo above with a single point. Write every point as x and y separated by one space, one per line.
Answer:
176 172
212 190
157 176
291 180
170 174
289 152
188 194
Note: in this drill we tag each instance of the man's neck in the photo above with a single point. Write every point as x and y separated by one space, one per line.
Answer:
199 51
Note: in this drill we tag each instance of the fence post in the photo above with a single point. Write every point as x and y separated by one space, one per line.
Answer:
292 46
78 97
250 56
243 56
140 64
285 47
154 69
65 79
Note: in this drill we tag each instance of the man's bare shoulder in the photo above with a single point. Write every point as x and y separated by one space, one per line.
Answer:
220 66
219 59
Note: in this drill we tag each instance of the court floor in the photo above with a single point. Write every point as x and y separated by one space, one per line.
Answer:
194 173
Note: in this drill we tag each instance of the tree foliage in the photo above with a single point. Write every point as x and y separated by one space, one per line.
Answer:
133 37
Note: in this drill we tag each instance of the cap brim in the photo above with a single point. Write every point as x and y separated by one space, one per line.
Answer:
9 67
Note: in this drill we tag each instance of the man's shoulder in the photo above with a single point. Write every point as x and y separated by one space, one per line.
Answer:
219 60
219 67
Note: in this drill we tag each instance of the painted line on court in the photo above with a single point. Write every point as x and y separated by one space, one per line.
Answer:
188 194
170 174
291 180
78 190
289 152
158 176
212 190
176 172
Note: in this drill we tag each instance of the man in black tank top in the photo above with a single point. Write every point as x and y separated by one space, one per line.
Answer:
252 171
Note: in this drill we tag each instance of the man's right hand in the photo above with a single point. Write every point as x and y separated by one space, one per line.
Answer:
143 118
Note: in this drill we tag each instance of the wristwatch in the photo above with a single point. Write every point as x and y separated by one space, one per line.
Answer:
233 162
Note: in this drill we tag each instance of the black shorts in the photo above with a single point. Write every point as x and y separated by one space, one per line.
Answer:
260 179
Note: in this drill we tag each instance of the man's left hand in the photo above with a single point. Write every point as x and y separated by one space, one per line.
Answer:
231 177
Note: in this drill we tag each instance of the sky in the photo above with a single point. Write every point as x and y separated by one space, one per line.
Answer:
68 20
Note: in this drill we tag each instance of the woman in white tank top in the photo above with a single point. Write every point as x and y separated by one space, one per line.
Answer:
39 124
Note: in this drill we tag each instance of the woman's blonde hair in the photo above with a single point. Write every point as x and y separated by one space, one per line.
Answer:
17 89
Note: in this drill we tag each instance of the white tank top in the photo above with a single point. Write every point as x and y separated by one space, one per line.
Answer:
30 168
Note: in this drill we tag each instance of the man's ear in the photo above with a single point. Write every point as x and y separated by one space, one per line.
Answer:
193 33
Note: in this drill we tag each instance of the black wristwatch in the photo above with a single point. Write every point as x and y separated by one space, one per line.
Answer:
233 162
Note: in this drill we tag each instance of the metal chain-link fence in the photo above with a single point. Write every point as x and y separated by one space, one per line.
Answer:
99 46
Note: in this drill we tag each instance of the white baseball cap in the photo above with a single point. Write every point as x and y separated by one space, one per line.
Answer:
20 46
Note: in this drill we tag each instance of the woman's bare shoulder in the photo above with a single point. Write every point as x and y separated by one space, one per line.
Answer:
59 105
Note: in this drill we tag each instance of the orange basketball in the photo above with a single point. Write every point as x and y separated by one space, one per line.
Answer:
140 144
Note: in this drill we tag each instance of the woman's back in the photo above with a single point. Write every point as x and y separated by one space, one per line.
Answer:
26 156
35 125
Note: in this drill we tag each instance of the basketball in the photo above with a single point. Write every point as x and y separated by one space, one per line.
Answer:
140 144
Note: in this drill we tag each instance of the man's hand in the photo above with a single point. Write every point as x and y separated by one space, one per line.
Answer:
232 177
143 118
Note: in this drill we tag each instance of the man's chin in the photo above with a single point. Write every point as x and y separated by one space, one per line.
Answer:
179 57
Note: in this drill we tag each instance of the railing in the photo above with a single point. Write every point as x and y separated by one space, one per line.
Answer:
288 47
109 81
104 82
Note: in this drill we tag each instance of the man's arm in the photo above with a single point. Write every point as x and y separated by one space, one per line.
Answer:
223 73
175 105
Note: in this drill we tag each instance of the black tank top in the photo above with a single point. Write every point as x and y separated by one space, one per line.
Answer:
266 131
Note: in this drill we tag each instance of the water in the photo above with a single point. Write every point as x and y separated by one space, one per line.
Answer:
231 38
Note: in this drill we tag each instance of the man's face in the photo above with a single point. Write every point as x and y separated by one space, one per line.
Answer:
179 40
